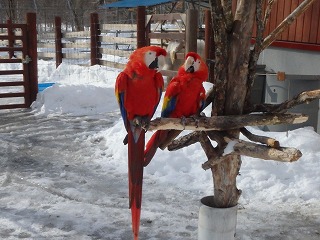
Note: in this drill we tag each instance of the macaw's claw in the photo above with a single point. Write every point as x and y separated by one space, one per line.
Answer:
197 118
142 122
183 121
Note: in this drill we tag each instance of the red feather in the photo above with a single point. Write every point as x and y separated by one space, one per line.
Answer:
184 97
138 90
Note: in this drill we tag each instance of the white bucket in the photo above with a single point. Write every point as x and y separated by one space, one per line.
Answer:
216 223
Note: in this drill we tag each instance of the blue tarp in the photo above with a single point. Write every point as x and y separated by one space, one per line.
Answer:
135 3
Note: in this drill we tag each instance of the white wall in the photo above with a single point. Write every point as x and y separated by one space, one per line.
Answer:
291 61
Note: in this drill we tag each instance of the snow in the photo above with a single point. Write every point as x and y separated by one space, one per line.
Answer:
63 172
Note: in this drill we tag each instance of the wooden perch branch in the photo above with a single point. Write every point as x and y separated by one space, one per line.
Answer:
286 22
261 139
304 97
226 122
281 154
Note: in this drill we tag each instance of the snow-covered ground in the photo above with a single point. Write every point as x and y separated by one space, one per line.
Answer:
63 173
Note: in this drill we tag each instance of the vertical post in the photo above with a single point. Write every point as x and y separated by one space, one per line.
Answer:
95 43
58 41
10 37
32 53
209 44
191 30
141 27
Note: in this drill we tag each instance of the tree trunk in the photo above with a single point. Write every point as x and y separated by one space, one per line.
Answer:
231 73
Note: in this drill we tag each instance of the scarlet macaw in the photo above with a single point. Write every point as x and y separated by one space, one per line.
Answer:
138 90
184 97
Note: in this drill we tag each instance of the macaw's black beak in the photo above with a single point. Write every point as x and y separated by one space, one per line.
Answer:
190 69
154 64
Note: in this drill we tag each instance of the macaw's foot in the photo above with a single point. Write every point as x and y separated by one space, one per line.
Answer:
183 121
141 121
197 118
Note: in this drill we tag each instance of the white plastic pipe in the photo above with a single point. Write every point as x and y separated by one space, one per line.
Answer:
216 223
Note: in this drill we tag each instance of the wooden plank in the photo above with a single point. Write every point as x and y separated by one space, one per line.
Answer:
109 39
47 35
172 36
168 17
13 106
292 28
280 14
119 27
79 34
6 49
11 95
11 60
76 55
13 25
46 55
10 84
286 12
14 37
46 45
299 26
307 25
115 52
318 35
112 64
315 22
76 45
31 69
11 72
273 16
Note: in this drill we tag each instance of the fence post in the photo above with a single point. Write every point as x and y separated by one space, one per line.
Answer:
95 43
191 30
58 41
32 53
10 37
209 44
141 27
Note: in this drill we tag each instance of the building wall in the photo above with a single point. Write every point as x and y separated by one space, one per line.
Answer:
302 69
291 61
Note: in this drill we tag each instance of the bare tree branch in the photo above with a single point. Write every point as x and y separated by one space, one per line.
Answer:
268 11
261 139
225 122
301 98
263 152
286 22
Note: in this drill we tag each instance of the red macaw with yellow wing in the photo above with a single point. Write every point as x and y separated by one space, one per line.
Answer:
138 90
184 97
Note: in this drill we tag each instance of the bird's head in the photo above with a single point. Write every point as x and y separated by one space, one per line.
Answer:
150 57
194 65
154 57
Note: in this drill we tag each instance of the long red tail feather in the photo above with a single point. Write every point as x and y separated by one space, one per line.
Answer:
135 161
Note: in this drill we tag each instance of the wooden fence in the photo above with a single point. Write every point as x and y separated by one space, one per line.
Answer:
23 82
115 39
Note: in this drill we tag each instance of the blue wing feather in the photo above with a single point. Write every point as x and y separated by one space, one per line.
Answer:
168 107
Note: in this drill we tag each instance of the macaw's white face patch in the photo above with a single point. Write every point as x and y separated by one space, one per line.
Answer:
151 60
191 64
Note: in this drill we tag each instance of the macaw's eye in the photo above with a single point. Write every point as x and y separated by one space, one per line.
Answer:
150 59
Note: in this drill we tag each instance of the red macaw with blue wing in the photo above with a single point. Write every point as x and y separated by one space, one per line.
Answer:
184 97
138 90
